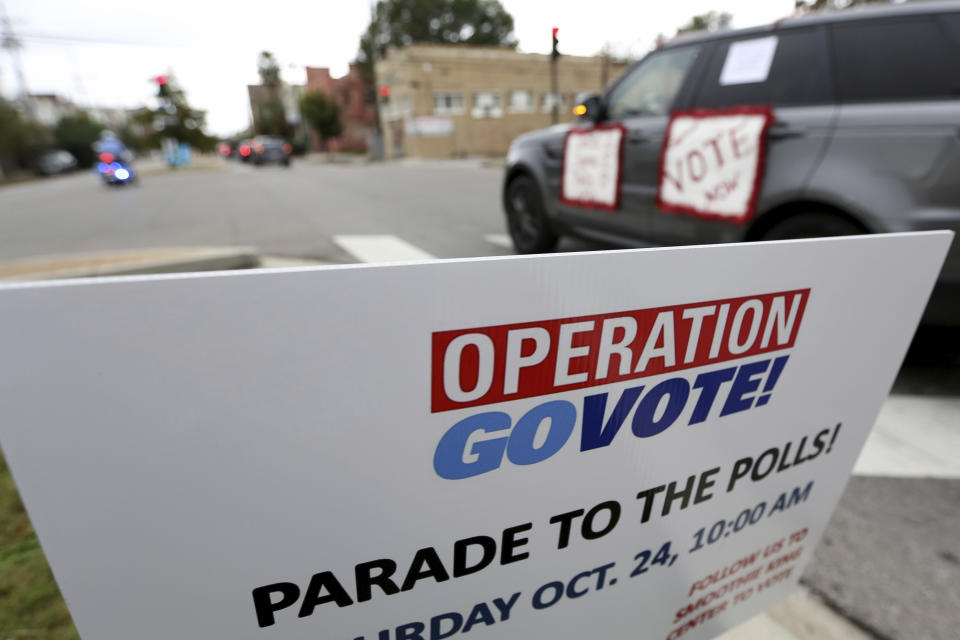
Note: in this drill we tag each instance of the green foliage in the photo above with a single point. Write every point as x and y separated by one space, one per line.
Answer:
814 5
397 23
21 140
269 69
77 134
711 21
30 603
322 113
174 118
271 119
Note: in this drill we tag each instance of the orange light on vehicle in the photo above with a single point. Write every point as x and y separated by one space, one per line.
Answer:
287 148
580 110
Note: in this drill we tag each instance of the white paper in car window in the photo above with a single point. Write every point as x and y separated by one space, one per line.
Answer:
748 61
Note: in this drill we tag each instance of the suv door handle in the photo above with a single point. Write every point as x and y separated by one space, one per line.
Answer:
781 131
637 137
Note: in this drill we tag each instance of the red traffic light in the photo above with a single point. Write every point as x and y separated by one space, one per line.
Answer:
160 80
384 91
554 30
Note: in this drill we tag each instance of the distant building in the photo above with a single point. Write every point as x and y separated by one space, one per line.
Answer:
358 114
48 108
114 118
457 100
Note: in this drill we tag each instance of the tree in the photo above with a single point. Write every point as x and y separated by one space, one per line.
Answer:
21 140
77 134
269 69
711 21
397 23
813 5
322 113
270 115
176 119
270 119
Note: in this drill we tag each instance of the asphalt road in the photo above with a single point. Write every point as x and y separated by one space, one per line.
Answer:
889 559
445 209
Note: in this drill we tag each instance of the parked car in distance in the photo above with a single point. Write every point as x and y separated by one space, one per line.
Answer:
865 138
55 162
266 150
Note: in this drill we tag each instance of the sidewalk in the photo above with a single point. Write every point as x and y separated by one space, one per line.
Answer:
802 616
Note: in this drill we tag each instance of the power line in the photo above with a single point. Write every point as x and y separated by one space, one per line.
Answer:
43 38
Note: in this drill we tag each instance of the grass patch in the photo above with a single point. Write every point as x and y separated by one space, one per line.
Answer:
30 602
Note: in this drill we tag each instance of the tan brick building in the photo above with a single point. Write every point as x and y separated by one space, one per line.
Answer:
456 100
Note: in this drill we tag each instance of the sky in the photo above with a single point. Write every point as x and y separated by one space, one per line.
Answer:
104 53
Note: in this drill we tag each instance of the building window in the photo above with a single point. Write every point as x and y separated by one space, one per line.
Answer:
447 102
398 107
521 100
550 99
486 104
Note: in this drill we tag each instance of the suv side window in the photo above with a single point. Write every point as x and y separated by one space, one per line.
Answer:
799 73
895 59
651 87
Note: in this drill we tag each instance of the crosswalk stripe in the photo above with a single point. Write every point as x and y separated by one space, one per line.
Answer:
380 248
499 239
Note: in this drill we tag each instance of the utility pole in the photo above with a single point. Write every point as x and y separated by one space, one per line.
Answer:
9 41
554 54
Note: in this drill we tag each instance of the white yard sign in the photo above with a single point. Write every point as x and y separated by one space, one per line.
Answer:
712 162
602 445
592 166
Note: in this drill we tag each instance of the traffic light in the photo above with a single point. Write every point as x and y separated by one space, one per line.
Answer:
384 93
162 90
555 53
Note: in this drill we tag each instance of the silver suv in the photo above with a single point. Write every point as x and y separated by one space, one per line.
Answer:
866 138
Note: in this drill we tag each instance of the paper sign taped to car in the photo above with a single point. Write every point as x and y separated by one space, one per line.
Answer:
748 61
592 167
711 163
563 446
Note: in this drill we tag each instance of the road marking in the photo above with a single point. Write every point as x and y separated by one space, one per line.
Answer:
499 239
380 249
914 437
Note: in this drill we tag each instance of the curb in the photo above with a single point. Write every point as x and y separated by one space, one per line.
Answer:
137 262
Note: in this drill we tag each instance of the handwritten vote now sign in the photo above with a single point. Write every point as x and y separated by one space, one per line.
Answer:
712 162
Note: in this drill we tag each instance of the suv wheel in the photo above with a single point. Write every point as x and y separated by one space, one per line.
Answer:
812 225
526 220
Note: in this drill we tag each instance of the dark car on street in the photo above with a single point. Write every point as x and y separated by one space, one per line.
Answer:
266 150
55 162
865 138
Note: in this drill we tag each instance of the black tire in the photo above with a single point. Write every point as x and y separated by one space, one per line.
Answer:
527 222
812 225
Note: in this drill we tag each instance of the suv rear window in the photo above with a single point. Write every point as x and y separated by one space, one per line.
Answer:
896 59
798 73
